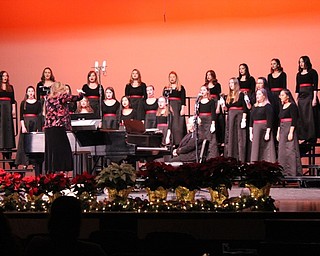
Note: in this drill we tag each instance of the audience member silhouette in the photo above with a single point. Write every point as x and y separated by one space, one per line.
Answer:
64 228
9 243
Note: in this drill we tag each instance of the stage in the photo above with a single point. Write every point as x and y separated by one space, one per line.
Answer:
215 232
286 199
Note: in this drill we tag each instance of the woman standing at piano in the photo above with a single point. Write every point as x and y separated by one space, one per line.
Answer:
207 113
110 110
30 114
58 155
176 95
136 91
150 106
164 120
7 113
306 91
92 90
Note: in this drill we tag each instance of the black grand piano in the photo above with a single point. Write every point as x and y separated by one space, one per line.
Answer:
115 145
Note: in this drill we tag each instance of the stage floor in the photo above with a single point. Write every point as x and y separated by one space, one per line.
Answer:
286 199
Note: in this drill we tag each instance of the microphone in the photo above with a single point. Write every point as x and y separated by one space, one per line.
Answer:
167 91
199 97
96 66
104 64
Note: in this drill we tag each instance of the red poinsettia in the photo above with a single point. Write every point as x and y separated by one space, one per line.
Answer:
84 183
188 175
261 173
31 185
220 171
157 174
53 182
9 183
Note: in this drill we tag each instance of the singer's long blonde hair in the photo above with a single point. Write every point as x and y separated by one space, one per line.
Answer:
178 84
233 95
208 95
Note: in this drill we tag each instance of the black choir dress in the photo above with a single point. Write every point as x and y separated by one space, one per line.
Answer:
137 96
93 96
288 151
179 127
131 116
7 140
111 116
150 111
276 85
308 123
221 119
261 118
30 113
274 103
248 86
207 114
236 137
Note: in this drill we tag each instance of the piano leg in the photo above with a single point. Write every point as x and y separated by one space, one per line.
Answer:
81 163
37 161
98 164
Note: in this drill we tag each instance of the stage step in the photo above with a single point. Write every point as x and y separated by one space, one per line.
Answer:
19 170
6 160
8 150
302 181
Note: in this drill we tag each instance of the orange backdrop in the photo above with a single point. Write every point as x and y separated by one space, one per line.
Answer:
188 36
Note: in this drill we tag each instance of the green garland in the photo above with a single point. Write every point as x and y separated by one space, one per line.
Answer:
17 203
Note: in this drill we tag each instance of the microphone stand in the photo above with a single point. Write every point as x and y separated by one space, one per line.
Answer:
167 93
196 126
98 69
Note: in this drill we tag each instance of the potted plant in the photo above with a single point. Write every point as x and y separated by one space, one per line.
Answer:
218 176
84 184
186 180
157 179
119 180
260 175
53 184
